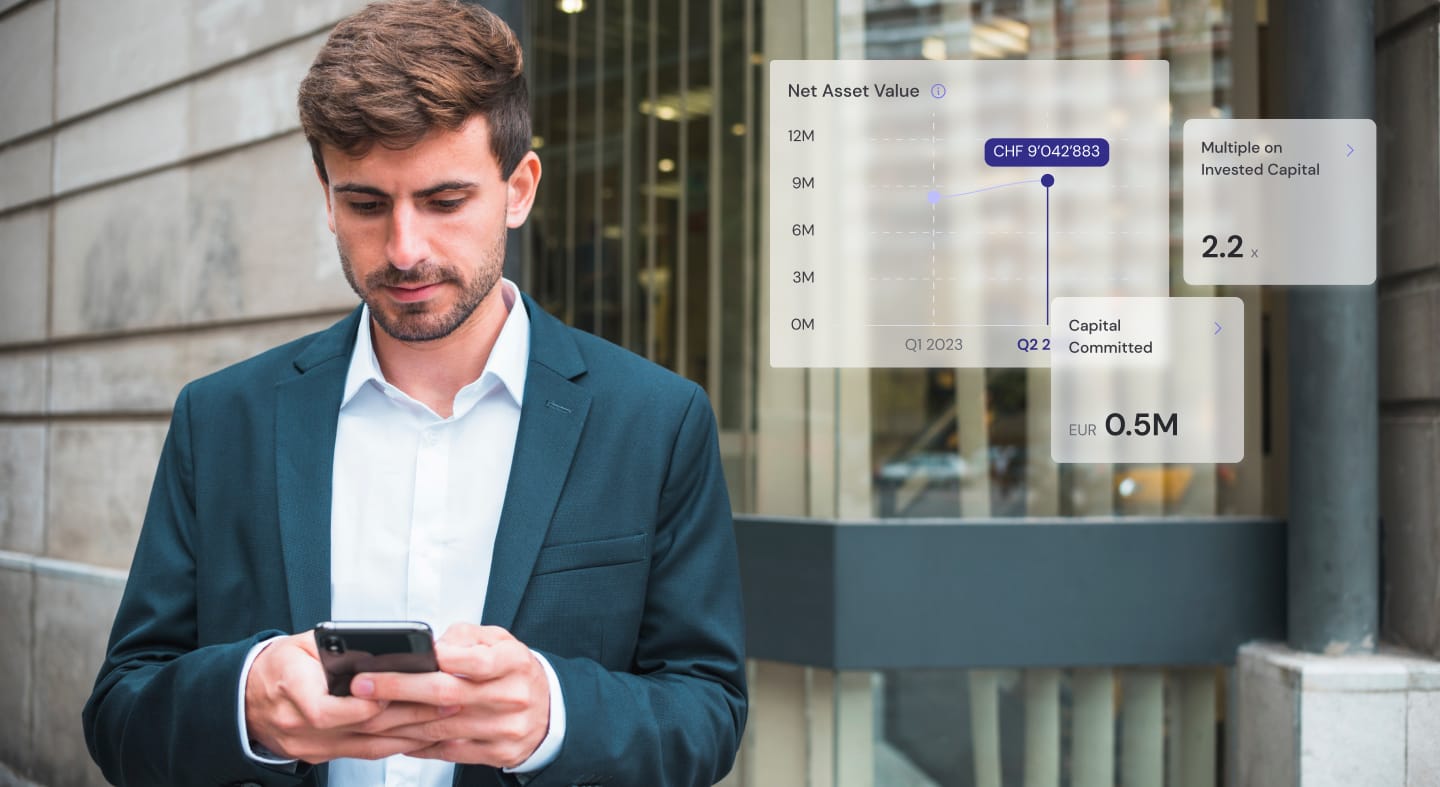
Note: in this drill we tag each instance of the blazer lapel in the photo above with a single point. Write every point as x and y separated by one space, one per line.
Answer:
306 412
551 418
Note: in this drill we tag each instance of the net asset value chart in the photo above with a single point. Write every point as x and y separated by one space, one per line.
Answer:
927 213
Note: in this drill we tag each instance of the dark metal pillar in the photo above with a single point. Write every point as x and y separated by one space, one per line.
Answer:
1334 543
513 12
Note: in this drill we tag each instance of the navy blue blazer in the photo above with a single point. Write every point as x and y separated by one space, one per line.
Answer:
615 557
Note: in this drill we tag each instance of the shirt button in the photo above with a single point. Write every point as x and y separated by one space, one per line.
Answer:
431 438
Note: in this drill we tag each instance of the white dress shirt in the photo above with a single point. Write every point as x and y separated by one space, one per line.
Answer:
415 506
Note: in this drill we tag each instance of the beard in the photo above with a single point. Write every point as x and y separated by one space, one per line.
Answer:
425 321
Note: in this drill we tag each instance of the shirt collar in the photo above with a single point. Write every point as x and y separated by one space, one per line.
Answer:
508 361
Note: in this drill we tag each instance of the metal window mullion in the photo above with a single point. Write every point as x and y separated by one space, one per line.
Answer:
599 169
627 183
712 370
682 208
652 152
528 251
748 371
572 110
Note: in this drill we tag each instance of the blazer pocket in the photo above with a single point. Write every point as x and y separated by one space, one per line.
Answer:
591 554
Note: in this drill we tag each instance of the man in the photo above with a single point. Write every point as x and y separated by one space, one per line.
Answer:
448 453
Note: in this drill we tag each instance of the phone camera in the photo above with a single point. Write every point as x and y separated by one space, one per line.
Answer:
333 645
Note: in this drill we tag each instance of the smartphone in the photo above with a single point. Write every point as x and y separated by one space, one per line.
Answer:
350 647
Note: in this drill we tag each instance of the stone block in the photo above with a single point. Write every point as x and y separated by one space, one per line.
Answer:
25 172
259 233
1424 671
1410 458
1407 109
74 607
1264 728
247 102
22 382
1356 674
100 477
145 374
22 489
1333 721
223 29
119 254
129 375
241 235
17 595
27 79
140 135
1352 738
24 261
252 100
1422 756
1409 324
109 51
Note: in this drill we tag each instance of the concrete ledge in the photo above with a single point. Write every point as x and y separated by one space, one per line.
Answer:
1316 721
10 778
66 569
17 616
56 614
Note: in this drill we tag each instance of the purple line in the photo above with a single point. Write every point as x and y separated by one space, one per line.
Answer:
1047 255
987 188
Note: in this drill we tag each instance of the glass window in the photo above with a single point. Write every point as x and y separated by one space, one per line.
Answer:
650 230
644 230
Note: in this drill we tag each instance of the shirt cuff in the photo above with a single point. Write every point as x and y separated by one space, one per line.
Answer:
549 748
254 751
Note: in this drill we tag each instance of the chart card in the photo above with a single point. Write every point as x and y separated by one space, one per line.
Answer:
925 213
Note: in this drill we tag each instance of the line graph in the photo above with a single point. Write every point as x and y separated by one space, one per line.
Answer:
1041 179
935 197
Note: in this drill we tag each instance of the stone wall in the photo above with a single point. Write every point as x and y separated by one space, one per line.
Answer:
159 219
1408 119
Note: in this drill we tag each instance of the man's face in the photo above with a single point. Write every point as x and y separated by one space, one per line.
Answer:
421 231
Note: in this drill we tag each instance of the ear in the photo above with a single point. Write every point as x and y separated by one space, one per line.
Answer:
329 208
520 190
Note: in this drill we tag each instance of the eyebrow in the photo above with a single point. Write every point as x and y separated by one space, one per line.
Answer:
449 185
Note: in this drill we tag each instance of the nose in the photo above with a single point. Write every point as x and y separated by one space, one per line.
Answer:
406 246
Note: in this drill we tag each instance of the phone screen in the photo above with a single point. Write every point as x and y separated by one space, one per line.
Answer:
349 648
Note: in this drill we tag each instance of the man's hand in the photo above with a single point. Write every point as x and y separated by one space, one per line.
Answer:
289 709
491 693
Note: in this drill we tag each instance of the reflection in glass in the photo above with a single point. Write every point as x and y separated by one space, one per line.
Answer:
974 443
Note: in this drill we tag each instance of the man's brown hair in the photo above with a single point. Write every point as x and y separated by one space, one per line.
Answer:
397 70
